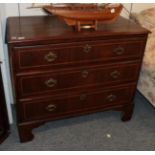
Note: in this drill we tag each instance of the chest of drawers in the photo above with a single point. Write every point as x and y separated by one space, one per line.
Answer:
58 72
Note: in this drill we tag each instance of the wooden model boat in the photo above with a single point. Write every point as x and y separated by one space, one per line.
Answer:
85 15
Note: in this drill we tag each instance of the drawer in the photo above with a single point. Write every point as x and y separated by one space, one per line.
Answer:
37 57
82 101
82 77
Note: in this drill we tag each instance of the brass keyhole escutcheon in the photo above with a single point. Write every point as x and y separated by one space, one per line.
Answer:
87 48
84 74
83 97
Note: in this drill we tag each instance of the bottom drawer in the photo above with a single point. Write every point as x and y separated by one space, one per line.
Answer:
65 105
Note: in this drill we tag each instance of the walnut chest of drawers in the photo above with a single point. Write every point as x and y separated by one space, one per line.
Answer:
58 72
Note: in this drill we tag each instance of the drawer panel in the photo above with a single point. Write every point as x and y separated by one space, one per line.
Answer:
82 77
65 105
71 54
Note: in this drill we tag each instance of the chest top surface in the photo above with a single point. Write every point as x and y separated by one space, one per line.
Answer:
45 28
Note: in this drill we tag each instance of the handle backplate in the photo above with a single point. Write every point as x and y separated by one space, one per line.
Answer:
50 107
115 74
111 97
51 82
50 57
119 50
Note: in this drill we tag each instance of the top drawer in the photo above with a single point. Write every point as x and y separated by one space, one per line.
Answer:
44 56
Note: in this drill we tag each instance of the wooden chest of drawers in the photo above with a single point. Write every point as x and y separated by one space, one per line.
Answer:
58 72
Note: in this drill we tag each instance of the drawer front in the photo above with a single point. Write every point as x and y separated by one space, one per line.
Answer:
69 54
65 105
65 80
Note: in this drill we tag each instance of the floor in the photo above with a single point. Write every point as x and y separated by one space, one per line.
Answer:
99 131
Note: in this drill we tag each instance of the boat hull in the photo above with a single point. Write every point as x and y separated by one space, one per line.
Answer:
86 17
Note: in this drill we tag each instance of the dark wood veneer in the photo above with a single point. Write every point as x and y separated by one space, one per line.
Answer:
58 72
64 105
46 56
35 84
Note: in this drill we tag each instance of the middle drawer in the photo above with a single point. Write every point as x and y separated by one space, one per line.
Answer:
82 77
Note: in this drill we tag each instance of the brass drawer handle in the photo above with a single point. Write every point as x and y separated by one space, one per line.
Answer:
50 57
111 98
83 97
84 74
87 48
115 74
51 107
51 82
119 50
